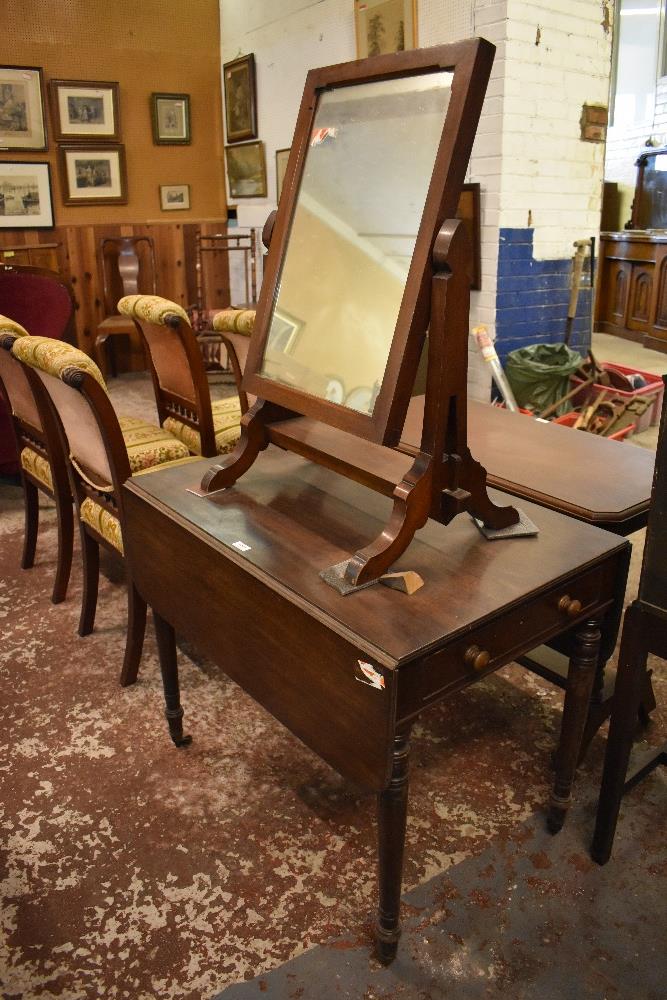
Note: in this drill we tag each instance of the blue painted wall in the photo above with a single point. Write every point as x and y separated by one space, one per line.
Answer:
533 296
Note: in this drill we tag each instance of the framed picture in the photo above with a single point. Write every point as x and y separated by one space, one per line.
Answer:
246 170
385 26
84 110
171 119
240 99
22 123
174 197
282 156
93 174
25 196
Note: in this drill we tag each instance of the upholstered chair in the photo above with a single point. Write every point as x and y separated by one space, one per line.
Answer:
235 327
103 451
179 379
43 465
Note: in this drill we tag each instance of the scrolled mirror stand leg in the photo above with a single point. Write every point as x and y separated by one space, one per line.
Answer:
254 439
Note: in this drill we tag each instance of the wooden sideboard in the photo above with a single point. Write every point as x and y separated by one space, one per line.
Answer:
632 286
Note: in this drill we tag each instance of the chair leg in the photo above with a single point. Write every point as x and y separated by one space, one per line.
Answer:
136 628
90 551
100 354
65 545
31 505
166 642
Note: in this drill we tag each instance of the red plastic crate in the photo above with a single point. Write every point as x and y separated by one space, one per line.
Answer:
570 419
654 384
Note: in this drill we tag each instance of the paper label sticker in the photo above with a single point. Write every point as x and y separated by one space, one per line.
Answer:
241 546
366 673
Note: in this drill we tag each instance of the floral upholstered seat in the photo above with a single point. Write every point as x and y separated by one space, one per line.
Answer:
181 388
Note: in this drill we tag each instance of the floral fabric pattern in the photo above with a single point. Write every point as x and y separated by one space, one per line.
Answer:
226 426
148 445
8 325
235 321
55 357
151 308
103 522
37 466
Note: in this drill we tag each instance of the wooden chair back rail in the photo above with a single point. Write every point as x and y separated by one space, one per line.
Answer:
128 268
190 376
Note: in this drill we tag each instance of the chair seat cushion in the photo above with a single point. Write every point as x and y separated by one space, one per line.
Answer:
226 426
148 445
107 524
37 466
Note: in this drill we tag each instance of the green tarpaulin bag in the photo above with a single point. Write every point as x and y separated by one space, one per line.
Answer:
540 374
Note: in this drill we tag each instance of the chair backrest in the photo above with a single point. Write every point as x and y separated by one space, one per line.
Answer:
177 366
92 437
235 327
13 378
128 268
40 300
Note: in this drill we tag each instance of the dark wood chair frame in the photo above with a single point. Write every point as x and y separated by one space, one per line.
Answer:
196 412
110 500
644 632
46 442
443 479
129 272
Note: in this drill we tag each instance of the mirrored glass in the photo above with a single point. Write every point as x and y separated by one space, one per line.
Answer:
365 180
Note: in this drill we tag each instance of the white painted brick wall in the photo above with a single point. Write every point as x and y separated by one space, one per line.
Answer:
558 58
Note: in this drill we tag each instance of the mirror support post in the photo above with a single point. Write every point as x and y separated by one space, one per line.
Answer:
445 479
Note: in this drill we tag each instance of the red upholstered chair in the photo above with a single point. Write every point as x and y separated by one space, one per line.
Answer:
42 302
128 268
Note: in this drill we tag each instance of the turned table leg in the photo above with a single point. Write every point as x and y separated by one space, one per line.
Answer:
166 644
580 679
392 815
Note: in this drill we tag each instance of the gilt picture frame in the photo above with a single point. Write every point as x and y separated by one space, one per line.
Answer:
170 115
174 197
85 110
384 26
25 195
240 99
22 118
93 174
246 170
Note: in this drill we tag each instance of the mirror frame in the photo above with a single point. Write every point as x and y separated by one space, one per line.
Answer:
470 62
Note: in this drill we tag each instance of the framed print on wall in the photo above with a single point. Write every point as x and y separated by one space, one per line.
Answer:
22 123
171 119
240 99
84 110
174 197
93 175
246 170
282 156
25 196
385 26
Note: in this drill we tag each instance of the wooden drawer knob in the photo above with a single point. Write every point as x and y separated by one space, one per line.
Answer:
569 606
477 658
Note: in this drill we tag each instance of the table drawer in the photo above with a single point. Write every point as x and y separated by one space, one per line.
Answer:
482 650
